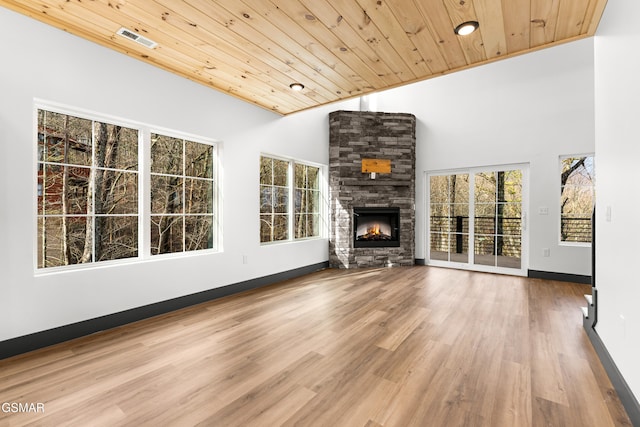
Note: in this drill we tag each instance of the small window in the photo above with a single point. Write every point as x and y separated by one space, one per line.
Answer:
290 200
307 201
182 195
274 199
577 198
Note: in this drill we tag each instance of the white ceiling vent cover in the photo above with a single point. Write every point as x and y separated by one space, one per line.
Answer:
132 35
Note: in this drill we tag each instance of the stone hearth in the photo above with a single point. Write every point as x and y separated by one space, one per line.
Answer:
357 135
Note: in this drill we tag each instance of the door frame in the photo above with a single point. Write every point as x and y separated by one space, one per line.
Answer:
524 254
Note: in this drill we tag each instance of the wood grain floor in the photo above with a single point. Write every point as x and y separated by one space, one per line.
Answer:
414 346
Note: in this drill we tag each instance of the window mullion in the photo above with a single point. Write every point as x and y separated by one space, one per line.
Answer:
93 173
291 207
449 219
472 217
144 193
496 209
184 195
274 200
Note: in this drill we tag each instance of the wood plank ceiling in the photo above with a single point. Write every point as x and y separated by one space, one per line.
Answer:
338 49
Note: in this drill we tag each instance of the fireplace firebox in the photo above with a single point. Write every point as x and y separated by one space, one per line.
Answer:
376 227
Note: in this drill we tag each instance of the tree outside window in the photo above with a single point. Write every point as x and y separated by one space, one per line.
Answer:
274 199
307 201
87 190
577 198
182 195
288 187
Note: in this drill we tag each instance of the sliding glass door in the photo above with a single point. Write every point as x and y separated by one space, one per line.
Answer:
477 219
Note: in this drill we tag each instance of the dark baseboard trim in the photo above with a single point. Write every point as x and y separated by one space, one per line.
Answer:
421 261
562 277
625 394
26 343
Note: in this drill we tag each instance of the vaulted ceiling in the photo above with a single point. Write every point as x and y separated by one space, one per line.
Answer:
337 49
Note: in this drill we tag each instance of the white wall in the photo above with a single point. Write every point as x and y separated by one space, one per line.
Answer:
528 109
52 65
617 90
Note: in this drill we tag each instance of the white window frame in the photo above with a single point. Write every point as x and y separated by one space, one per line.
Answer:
144 196
323 187
559 202
217 241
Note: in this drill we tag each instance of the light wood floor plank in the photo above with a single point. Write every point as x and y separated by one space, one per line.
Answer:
512 403
406 346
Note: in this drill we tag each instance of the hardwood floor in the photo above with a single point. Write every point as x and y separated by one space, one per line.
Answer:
414 346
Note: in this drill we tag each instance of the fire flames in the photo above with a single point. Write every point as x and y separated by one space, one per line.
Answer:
374 230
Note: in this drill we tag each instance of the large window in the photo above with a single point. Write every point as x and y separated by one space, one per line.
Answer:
87 190
577 197
182 195
89 208
289 200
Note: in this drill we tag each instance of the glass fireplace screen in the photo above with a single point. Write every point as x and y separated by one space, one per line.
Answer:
376 227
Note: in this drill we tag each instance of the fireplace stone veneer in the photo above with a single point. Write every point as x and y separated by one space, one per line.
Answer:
357 135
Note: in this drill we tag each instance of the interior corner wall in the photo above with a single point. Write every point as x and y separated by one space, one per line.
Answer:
55 66
526 109
617 89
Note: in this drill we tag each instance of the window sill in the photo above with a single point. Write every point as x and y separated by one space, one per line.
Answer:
79 268
575 244
284 242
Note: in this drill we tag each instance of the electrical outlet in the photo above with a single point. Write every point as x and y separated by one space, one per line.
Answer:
546 252
543 210
245 259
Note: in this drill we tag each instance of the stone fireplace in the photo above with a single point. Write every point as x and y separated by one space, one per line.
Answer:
372 220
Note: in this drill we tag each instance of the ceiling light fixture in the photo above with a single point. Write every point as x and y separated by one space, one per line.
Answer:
296 86
466 28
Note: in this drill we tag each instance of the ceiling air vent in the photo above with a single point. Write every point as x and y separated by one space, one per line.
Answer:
132 35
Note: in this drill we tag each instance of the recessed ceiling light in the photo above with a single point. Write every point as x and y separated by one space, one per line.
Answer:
296 86
466 28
